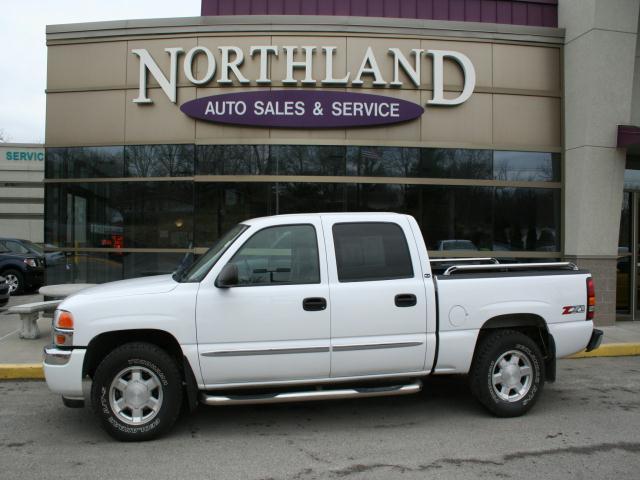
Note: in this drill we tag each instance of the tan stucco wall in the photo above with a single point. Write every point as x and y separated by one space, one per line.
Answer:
516 104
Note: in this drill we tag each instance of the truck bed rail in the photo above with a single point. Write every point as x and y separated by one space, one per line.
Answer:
486 260
510 266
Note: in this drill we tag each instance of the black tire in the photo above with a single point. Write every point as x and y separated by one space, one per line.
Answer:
507 399
18 277
156 365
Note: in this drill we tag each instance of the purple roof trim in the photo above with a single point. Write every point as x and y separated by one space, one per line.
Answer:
628 136
539 13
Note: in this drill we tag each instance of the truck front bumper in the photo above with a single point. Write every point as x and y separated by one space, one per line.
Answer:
63 370
595 340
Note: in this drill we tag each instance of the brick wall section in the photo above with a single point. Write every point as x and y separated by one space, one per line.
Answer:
603 271
541 13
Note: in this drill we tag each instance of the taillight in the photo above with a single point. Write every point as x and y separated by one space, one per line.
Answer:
591 299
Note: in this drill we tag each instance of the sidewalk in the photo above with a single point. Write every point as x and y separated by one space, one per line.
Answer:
22 358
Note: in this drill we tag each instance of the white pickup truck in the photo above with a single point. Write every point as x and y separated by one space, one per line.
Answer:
312 307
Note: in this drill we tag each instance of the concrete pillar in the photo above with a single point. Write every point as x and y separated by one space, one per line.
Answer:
599 57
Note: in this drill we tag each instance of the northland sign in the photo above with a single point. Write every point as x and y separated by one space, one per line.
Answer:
297 108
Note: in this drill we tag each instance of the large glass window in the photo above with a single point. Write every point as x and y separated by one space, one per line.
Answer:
159 160
281 255
455 163
117 215
527 219
526 166
453 218
382 161
93 267
183 213
371 251
234 160
308 160
220 206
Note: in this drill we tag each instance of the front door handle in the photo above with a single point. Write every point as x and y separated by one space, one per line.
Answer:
406 300
314 304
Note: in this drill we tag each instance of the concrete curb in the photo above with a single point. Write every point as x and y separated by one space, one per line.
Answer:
34 371
611 350
21 371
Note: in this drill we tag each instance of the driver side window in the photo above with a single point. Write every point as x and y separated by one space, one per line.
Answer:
282 255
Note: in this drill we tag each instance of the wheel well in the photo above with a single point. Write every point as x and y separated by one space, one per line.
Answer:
533 326
100 346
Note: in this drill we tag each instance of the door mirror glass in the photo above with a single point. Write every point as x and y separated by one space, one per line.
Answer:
228 276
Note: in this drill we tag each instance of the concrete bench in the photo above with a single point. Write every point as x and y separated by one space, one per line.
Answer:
55 292
29 314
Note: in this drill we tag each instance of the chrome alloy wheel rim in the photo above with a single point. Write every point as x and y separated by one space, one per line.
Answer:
135 395
512 375
13 282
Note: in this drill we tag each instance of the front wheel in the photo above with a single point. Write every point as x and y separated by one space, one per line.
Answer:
507 374
15 280
137 392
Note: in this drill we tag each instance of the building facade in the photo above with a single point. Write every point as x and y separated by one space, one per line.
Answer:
22 191
480 118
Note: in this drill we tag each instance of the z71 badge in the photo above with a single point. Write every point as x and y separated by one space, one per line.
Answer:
569 309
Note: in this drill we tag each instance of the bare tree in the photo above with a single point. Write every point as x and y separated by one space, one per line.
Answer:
4 138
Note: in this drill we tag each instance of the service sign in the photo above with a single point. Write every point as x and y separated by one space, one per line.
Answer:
302 109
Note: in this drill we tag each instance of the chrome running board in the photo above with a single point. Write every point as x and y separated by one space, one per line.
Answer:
308 396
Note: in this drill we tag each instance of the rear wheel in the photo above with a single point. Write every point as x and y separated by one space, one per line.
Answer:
137 392
15 280
507 373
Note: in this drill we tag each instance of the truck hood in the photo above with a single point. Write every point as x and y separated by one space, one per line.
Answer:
134 286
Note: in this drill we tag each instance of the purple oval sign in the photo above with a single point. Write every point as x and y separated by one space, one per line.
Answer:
302 109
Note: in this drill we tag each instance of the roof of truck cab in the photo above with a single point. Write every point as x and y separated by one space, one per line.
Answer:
297 216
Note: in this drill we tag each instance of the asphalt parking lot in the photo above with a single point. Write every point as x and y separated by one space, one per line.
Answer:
587 425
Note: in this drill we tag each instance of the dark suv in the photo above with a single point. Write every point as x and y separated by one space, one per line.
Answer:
22 267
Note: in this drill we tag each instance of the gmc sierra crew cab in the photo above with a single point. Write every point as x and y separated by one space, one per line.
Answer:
313 307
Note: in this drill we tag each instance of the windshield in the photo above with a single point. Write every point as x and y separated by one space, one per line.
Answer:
199 269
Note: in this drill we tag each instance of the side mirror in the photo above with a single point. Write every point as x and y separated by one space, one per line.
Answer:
228 277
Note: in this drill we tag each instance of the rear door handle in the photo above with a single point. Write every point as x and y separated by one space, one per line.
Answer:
406 300
314 304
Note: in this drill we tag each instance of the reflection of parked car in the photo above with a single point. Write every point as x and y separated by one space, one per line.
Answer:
17 245
4 292
54 258
22 270
456 245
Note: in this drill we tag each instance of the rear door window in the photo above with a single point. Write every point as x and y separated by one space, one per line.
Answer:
367 251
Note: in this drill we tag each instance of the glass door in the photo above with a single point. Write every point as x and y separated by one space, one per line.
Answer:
625 272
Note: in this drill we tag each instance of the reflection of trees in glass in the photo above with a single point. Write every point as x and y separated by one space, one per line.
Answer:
94 162
308 159
526 166
159 160
382 161
55 163
234 160
455 163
